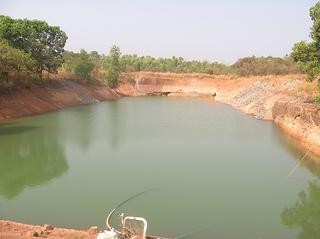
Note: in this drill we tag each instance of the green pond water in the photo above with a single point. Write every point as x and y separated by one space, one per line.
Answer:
206 163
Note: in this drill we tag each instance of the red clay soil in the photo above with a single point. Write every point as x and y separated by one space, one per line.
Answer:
14 230
57 94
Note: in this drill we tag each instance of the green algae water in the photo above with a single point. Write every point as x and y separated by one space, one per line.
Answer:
206 163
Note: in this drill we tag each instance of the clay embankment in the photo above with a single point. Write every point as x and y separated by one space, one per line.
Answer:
279 98
57 94
282 99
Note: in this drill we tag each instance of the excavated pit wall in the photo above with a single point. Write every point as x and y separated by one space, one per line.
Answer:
55 96
277 98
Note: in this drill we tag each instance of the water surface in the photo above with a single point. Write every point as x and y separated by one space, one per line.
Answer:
206 163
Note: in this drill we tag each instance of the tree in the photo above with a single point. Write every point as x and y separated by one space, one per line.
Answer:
14 60
84 66
307 55
44 43
114 67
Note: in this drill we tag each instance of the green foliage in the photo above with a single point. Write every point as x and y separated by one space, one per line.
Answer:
307 55
14 60
114 67
244 67
130 63
115 63
84 66
71 60
44 43
265 66
317 100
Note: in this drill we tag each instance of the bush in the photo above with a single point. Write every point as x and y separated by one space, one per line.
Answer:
252 66
84 66
14 62
317 100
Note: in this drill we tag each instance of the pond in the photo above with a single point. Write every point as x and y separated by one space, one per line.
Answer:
205 163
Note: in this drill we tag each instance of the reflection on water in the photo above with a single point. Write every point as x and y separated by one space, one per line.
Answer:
303 157
305 213
115 124
208 163
29 156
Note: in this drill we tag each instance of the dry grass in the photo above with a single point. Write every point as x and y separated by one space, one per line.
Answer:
309 88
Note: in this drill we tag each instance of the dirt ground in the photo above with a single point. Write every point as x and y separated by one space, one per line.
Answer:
14 230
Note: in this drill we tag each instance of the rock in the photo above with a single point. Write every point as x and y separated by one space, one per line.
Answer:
48 227
32 234
93 230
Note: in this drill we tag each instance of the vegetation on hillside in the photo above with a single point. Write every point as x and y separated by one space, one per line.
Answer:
307 54
251 66
44 43
28 47
114 67
248 66
14 61
84 66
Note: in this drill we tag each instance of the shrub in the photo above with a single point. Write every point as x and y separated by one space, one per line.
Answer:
14 62
84 66
265 66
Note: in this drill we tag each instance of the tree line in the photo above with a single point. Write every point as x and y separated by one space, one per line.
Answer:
248 66
30 47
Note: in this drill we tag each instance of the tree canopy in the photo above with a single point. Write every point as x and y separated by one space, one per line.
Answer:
44 43
84 66
114 67
12 59
307 54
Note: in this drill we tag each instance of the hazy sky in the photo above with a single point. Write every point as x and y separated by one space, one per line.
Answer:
219 30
